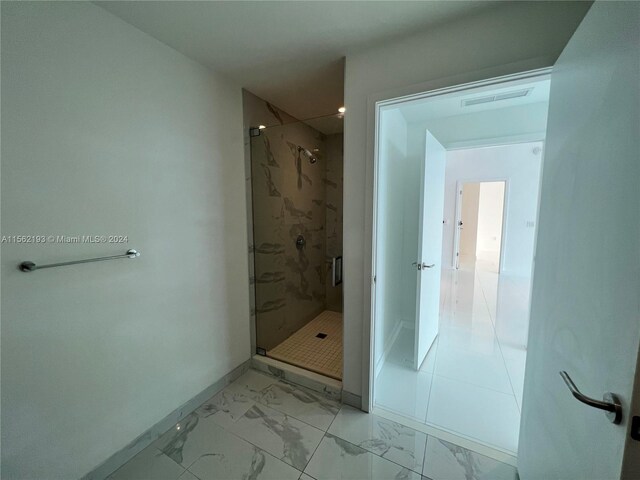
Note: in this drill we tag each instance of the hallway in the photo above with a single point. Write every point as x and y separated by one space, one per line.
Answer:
262 428
472 379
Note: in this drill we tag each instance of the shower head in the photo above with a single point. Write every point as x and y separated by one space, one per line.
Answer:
312 158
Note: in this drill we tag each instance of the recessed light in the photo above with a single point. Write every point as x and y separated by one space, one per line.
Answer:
261 127
342 110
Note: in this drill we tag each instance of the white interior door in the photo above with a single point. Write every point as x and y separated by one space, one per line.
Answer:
584 313
429 248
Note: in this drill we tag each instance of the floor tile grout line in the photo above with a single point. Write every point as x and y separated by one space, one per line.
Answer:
443 376
158 453
483 387
500 345
285 413
390 421
424 455
501 356
253 402
226 430
250 443
187 470
289 415
461 436
323 437
375 454
468 437
433 374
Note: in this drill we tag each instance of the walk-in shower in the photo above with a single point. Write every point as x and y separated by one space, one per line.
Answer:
296 190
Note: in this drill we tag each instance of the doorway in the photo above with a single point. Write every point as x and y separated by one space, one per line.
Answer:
449 353
479 225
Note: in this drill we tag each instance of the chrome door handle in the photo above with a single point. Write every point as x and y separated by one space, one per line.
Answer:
611 403
422 266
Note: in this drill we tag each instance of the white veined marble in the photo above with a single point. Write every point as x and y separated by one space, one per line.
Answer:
225 408
336 458
385 438
285 437
187 475
210 451
150 463
302 403
446 461
234 435
231 457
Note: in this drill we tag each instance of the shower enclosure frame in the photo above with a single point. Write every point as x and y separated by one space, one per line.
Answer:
305 154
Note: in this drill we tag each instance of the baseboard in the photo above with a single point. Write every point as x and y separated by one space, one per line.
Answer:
122 456
352 399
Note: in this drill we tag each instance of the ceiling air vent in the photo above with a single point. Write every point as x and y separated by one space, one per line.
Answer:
494 98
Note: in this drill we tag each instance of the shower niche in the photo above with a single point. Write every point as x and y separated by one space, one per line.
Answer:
296 229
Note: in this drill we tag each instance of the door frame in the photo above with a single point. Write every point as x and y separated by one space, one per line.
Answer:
505 206
386 100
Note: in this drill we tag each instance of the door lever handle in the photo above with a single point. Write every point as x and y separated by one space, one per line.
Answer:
610 404
422 266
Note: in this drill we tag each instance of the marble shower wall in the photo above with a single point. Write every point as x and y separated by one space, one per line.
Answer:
288 197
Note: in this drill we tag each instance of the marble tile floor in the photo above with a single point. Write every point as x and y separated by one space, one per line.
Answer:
260 427
471 381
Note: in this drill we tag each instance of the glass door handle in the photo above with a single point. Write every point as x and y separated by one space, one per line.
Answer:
611 403
424 265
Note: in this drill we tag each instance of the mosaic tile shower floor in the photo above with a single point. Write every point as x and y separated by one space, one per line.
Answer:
316 347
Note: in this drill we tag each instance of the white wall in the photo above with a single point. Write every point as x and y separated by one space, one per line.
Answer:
515 37
490 207
520 167
108 131
391 227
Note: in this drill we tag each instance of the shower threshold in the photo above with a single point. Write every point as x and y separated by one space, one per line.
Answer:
316 347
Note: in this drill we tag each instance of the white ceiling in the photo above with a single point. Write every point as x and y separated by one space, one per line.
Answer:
455 126
289 53
451 105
